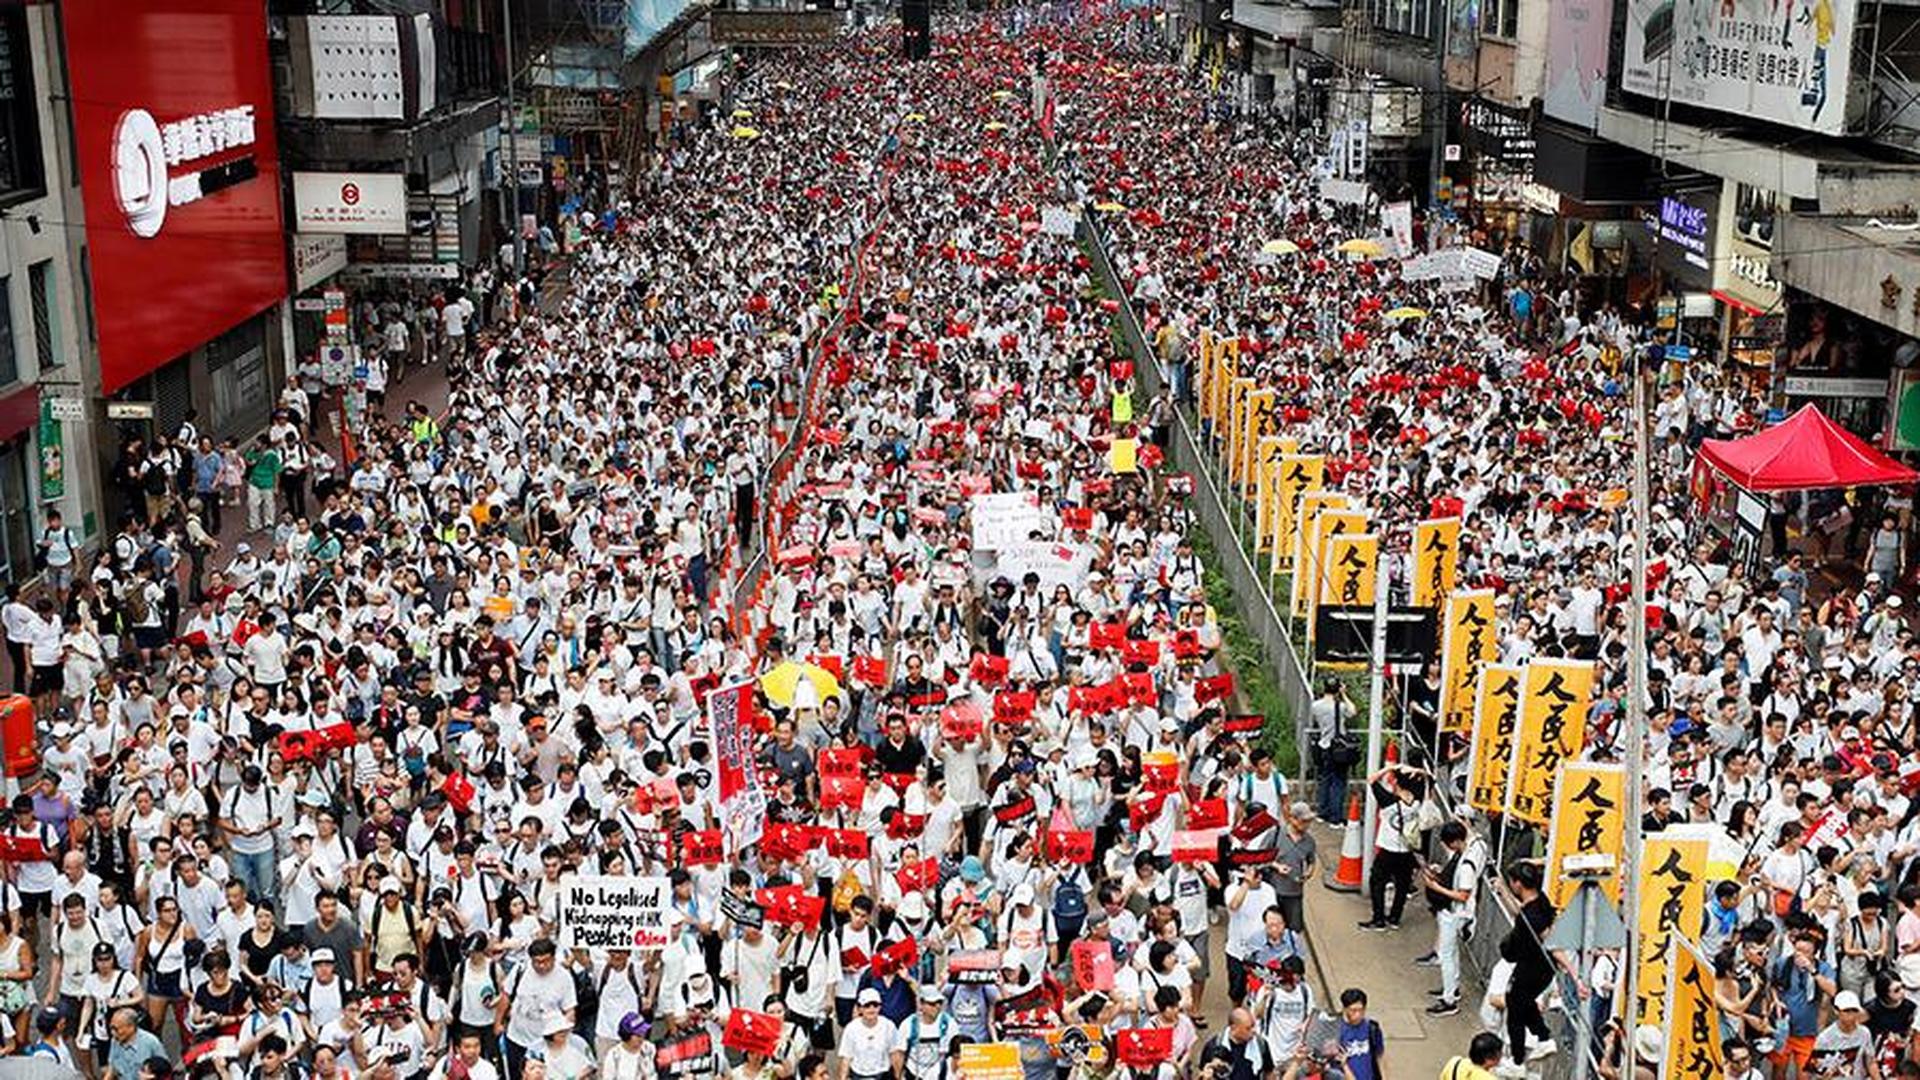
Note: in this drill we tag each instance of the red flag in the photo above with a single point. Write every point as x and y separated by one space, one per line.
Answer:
1140 651
1244 723
1213 687
906 826
1014 706
840 761
838 792
898 956
1196 845
871 670
989 670
924 874
1108 635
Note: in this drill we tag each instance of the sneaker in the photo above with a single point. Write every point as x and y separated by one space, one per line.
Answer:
1396 926
1441 994
1443 1007
1541 1049
1429 960
1510 1070
1373 924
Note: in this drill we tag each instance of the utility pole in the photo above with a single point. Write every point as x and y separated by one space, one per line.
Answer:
1377 685
1634 738
513 146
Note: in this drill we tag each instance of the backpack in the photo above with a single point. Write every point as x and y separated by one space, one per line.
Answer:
137 606
1069 906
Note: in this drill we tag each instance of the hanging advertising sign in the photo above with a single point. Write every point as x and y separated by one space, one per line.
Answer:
53 454
350 202
1788 65
1577 60
317 257
179 172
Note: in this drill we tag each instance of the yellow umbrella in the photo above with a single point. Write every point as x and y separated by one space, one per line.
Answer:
1279 247
784 85
780 683
996 126
743 114
1002 95
1407 313
917 117
1109 207
1369 248
746 133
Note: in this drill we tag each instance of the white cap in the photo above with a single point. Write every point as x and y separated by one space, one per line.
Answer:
1022 894
1846 1000
322 956
303 829
869 996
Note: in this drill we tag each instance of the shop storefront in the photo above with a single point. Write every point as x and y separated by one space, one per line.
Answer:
1499 152
1752 301
20 490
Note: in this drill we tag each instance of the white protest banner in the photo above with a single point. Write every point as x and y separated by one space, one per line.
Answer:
1333 189
1055 564
1396 218
1001 518
1057 221
1484 265
602 912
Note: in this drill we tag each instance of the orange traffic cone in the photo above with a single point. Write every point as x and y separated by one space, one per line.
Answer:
1346 876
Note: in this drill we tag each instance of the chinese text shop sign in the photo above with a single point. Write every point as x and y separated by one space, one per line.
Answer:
173 109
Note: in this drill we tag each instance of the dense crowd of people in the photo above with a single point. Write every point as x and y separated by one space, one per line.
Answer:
310 806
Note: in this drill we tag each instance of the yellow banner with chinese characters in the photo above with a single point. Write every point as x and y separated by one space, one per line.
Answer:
1436 560
1203 388
1297 475
1673 897
1693 1026
1351 561
1226 364
1468 642
1589 818
1553 727
1266 488
1331 521
1259 424
1237 392
1496 718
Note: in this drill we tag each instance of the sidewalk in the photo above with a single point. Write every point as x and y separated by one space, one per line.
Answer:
1344 955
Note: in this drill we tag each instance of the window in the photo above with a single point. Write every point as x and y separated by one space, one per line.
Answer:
21 171
1500 18
40 294
9 363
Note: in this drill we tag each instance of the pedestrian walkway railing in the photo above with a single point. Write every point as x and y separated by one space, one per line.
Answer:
1210 507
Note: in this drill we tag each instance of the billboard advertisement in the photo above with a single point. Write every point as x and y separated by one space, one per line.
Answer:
1577 61
173 111
1784 61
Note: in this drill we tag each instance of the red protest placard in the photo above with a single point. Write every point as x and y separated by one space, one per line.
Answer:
848 843
1107 635
338 736
1070 846
1142 812
22 849
702 847
753 1032
1013 706
1213 687
1245 723
1252 826
791 905
1137 688
1093 965
898 956
1207 814
1077 518
989 670
1186 644
828 662
840 761
459 792
1160 773
961 722
914 876
898 781
842 792
1140 651
1196 845
1143 1048
906 826
871 670
786 840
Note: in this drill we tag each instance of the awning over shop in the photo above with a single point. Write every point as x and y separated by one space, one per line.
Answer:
1804 452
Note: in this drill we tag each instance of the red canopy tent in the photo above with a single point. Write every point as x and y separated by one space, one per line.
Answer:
1803 452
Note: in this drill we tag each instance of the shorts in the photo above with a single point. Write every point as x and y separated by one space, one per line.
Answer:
150 637
1199 943
36 903
58 577
51 679
1798 1049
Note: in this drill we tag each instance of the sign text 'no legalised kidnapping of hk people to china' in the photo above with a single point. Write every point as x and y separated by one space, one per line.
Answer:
604 912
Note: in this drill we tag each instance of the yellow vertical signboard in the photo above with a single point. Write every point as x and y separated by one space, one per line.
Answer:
1258 422
1287 536
1673 898
1309 574
1266 488
1237 392
1297 475
1589 819
1203 390
1693 1022
1496 717
1469 641
1436 560
1553 727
